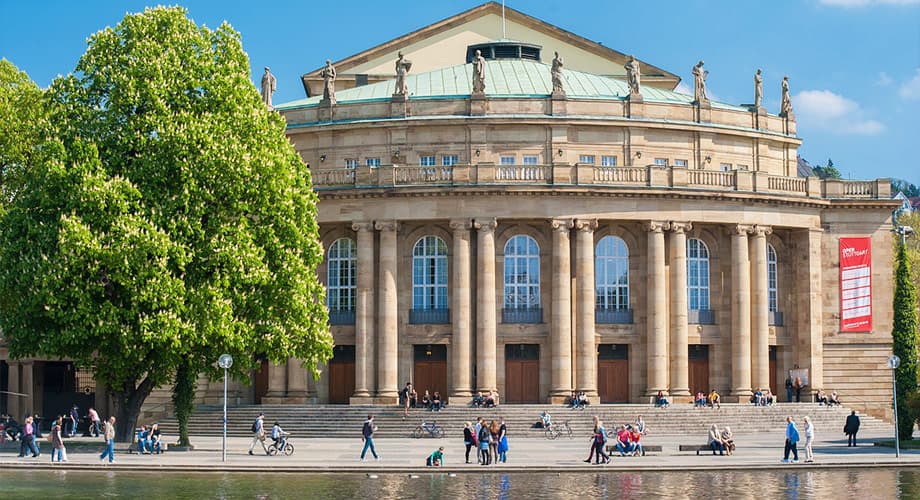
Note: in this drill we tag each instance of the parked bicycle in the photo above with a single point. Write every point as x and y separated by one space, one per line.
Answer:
556 430
431 429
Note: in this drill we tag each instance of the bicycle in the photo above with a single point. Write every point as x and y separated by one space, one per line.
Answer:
556 430
287 448
431 428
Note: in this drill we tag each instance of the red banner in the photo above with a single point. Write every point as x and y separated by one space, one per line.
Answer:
855 285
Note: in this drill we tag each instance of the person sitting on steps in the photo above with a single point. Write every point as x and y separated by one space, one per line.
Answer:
833 399
715 401
436 402
426 400
700 400
436 459
478 400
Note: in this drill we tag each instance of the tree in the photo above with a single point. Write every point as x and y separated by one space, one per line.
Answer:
904 336
828 171
178 224
23 123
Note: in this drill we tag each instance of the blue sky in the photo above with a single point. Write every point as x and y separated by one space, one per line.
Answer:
854 65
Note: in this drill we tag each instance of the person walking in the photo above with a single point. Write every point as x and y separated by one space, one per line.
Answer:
94 421
109 436
593 441
851 428
367 433
258 433
74 420
57 441
809 439
600 442
28 443
792 438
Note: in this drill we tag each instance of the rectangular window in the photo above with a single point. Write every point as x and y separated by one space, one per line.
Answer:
586 159
608 161
531 160
725 167
507 160
373 162
449 160
351 163
680 163
427 161
661 162
742 167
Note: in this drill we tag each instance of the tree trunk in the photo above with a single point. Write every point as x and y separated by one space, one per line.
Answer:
184 399
128 404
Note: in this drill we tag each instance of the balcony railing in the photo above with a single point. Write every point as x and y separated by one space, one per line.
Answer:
522 315
342 317
652 176
603 316
776 318
701 317
429 316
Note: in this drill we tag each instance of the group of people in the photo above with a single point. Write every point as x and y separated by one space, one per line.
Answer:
712 400
794 386
824 399
148 440
408 398
489 439
578 400
722 441
277 434
793 437
489 400
763 398
628 440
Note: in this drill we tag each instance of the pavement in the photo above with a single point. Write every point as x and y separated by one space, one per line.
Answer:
530 454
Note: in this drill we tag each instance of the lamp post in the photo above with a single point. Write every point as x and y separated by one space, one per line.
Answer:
225 361
893 363
904 231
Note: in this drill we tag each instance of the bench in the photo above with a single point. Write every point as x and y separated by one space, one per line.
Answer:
646 448
695 447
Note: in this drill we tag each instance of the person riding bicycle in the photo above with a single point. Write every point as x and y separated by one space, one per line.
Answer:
278 436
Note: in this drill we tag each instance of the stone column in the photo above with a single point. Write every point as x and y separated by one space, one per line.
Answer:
485 306
296 382
760 311
741 314
277 384
387 314
808 348
461 331
657 311
27 386
14 401
561 332
680 367
586 347
364 312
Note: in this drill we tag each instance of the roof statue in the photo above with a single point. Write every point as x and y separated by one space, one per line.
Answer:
633 75
403 66
557 74
758 89
269 85
699 82
328 75
785 106
479 73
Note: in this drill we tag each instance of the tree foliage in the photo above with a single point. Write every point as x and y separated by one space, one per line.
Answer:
178 222
909 189
828 171
23 124
905 342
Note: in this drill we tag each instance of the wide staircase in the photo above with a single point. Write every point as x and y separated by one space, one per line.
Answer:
318 421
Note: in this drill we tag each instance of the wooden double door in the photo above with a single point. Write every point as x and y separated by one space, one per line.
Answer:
342 374
613 373
698 361
522 373
430 370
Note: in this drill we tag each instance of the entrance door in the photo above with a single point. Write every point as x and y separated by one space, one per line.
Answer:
698 357
341 374
522 373
773 382
613 373
430 369
260 384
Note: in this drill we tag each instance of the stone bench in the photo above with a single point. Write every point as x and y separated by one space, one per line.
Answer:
695 447
650 448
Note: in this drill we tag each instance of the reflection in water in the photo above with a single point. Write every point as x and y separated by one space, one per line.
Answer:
789 483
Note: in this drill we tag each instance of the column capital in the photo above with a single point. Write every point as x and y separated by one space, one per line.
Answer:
561 225
741 229
459 225
680 227
485 225
586 225
386 225
362 226
759 230
656 226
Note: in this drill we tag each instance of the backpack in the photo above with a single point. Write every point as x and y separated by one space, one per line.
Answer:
255 426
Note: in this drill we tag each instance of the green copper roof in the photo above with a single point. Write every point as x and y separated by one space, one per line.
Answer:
504 78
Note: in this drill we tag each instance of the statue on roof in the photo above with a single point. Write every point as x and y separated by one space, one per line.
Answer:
328 74
557 74
479 73
785 106
633 75
403 66
758 89
699 82
269 84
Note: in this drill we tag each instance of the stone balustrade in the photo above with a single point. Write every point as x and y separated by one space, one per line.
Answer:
652 176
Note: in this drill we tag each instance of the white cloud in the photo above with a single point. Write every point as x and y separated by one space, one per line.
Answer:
866 3
826 110
883 80
911 88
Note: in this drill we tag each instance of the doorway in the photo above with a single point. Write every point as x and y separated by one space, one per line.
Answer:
430 369
260 382
522 373
698 360
341 374
613 373
774 384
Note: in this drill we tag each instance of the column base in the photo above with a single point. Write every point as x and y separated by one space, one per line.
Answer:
681 395
296 398
557 399
361 394
273 400
382 399
740 396
357 400
461 395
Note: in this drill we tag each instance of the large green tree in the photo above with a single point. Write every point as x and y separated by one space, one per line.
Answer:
178 223
23 124
904 336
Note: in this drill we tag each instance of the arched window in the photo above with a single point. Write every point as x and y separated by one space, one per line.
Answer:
611 273
341 264
429 274
697 275
771 278
522 273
